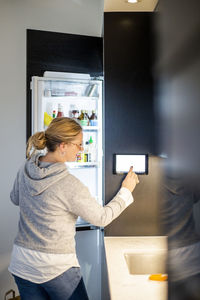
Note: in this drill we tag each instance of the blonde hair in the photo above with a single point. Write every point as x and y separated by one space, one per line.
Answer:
60 130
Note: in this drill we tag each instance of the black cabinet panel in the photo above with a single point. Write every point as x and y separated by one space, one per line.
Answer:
129 89
178 73
61 52
65 52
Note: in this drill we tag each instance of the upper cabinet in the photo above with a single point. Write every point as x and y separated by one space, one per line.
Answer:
129 84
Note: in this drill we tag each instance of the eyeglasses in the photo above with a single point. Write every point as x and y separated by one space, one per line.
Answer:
79 146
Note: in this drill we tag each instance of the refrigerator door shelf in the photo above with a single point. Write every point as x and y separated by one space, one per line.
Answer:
73 165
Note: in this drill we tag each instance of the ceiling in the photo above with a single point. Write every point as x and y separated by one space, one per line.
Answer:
123 5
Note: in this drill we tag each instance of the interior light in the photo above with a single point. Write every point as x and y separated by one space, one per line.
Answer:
132 1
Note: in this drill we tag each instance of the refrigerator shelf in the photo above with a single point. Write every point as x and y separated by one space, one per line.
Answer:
82 164
90 128
59 98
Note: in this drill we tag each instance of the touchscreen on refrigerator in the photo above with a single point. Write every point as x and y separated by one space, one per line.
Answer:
124 162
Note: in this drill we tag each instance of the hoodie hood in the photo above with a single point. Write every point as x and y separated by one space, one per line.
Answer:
38 176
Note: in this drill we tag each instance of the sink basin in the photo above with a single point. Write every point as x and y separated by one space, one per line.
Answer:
130 261
148 262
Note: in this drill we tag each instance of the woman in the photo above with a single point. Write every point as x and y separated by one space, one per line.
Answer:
44 262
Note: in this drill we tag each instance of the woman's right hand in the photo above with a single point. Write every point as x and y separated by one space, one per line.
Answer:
130 180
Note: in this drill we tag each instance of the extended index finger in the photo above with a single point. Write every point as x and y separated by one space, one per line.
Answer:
130 170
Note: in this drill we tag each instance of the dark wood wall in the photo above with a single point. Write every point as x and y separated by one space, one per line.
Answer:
178 74
129 115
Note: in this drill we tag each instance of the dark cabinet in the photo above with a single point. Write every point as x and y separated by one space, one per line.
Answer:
129 88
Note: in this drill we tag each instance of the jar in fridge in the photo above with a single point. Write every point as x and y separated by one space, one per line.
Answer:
73 112
80 157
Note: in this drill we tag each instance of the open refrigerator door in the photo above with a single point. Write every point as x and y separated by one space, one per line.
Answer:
76 96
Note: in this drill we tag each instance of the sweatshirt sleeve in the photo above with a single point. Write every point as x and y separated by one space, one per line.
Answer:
14 194
87 207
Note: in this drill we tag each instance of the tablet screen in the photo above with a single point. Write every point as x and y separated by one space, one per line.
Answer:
124 162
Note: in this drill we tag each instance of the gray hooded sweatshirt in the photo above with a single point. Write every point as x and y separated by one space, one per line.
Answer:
50 200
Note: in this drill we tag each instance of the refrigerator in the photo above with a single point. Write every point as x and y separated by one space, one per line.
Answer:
72 94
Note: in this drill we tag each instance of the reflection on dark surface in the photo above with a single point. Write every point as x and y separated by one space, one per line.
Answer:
183 241
178 108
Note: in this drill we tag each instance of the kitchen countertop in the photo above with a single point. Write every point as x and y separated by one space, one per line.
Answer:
124 285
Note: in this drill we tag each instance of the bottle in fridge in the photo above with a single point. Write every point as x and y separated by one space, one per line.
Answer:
83 118
93 118
60 111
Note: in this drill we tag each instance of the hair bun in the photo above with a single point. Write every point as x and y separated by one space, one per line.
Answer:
39 140
36 141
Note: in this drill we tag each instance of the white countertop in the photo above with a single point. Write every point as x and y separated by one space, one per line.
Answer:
124 285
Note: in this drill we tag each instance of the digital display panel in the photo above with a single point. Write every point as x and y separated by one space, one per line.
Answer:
122 163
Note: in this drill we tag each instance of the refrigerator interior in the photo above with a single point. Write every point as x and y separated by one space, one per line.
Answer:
73 94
